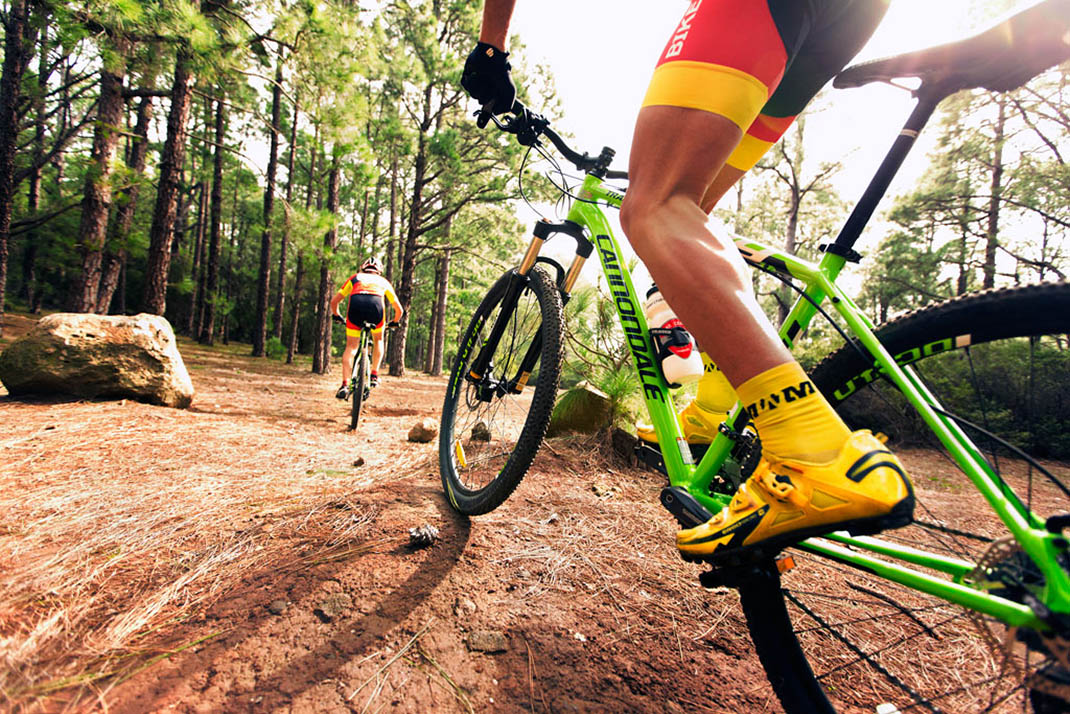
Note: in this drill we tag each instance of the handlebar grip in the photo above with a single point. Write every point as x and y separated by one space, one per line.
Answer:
393 323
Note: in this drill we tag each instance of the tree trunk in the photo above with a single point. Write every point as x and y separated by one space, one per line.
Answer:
230 266
295 310
199 270
18 49
207 335
992 230
322 349
426 355
193 326
790 244
408 256
263 283
280 299
127 202
171 160
440 309
33 195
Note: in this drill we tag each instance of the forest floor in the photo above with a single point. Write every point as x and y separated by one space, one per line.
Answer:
251 554
232 557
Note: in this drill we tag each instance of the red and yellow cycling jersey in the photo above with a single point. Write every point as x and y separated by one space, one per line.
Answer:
369 284
367 291
759 62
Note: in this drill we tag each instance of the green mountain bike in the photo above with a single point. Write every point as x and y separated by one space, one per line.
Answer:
966 610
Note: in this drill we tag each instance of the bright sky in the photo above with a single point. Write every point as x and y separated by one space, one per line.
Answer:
602 52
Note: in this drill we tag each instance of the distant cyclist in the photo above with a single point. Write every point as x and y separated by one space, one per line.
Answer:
367 291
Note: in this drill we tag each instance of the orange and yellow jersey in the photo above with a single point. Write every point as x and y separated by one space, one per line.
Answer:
369 284
759 62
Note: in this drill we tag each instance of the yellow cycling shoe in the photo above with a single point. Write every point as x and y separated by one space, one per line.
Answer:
863 490
698 425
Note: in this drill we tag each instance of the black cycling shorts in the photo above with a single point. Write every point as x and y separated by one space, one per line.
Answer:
364 308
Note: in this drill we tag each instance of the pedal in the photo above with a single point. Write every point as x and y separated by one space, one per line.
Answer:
683 506
739 573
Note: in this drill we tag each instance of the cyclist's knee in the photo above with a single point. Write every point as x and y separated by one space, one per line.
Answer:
651 223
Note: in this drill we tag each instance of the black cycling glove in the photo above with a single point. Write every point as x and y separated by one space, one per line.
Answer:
486 79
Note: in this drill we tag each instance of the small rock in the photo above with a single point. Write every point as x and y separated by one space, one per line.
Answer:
603 491
463 606
333 606
359 462
422 537
277 607
481 432
487 641
424 431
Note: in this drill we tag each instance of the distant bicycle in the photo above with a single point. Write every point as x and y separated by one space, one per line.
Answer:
359 385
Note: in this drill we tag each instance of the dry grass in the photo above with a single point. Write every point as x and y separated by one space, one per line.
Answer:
613 547
122 519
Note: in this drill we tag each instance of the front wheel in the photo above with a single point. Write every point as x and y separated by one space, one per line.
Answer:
493 423
999 360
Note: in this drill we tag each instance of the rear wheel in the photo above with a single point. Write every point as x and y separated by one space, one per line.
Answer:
999 360
360 377
492 426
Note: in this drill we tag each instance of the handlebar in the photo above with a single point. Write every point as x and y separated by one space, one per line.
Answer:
528 126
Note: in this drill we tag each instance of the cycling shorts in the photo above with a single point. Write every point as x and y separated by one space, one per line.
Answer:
759 62
365 308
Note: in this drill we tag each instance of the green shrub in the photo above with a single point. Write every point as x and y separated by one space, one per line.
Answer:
275 349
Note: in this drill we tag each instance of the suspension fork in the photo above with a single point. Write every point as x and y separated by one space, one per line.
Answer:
584 248
542 232
518 280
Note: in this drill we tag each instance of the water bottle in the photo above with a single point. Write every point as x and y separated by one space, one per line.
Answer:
674 346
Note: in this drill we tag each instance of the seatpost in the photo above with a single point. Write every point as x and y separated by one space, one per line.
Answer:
878 185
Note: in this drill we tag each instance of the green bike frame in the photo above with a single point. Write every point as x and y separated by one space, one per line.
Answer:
899 563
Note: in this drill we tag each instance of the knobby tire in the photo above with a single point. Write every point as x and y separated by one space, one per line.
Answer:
780 610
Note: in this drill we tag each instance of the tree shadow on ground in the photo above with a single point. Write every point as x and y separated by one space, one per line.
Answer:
306 652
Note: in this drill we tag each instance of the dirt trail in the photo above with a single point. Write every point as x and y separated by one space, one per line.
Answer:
232 557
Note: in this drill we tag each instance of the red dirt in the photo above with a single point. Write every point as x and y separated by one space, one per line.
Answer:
597 611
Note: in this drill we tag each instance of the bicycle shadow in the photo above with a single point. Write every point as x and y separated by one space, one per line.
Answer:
212 677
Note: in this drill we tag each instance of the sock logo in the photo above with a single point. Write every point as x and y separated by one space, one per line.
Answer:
786 395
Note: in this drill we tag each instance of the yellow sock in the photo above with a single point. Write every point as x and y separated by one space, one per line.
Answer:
715 394
793 419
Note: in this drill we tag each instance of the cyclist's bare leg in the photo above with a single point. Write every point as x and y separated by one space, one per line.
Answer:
677 153
677 164
377 350
352 345
726 178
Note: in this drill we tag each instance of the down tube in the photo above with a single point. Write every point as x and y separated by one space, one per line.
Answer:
678 461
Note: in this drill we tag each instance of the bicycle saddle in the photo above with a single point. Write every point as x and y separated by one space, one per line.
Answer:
1001 58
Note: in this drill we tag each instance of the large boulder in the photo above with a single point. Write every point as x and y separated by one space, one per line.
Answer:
584 408
99 356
